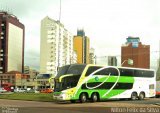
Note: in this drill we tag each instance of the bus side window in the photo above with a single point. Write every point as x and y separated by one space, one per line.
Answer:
91 70
148 74
114 72
103 72
151 86
107 71
143 73
126 72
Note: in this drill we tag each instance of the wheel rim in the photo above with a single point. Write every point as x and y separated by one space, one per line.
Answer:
83 98
134 96
141 96
95 98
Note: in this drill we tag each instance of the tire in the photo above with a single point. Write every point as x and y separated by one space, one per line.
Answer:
133 96
94 97
141 96
83 98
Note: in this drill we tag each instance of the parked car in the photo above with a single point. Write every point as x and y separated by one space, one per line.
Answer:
31 91
2 90
157 89
20 90
48 90
157 94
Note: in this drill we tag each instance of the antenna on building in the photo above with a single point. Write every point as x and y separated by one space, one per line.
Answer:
6 10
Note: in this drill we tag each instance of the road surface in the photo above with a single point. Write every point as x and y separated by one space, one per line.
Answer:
18 106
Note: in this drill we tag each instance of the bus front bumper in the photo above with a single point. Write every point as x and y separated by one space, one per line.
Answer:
58 98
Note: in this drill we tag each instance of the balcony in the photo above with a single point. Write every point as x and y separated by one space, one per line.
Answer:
51 32
53 52
51 41
50 63
53 47
50 68
51 37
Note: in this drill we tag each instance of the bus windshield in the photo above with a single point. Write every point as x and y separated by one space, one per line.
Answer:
68 81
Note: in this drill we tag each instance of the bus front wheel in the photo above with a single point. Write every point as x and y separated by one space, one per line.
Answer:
83 98
94 97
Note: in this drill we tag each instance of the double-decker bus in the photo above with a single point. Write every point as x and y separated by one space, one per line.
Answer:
92 82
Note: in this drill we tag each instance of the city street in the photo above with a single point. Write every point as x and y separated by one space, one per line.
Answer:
16 106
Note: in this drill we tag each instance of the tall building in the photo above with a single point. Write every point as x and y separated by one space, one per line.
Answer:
31 72
56 46
81 46
135 50
112 61
11 43
158 70
92 56
26 69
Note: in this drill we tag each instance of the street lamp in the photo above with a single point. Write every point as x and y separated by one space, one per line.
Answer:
36 84
130 62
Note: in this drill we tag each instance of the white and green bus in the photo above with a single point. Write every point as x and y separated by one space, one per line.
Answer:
92 82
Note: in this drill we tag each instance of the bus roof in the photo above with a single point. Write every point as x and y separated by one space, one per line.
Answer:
122 67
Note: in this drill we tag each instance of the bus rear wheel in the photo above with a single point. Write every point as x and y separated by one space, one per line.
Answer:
83 98
141 96
134 96
94 97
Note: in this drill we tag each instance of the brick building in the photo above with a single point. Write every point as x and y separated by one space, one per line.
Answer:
135 50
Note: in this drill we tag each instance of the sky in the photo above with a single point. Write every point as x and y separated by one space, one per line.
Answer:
106 22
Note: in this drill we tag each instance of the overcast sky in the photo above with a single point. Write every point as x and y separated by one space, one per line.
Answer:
107 22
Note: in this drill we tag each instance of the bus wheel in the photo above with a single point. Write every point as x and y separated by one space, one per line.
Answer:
94 97
141 96
134 96
83 98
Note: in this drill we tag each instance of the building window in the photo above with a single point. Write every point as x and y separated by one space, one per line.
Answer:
2 33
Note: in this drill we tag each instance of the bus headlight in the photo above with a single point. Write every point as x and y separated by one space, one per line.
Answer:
62 94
